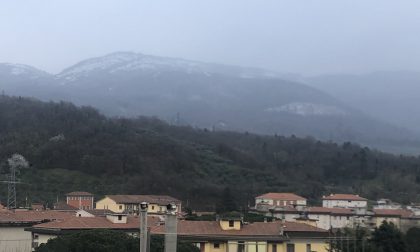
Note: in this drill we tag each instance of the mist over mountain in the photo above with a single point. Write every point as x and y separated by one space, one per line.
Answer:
212 96
393 97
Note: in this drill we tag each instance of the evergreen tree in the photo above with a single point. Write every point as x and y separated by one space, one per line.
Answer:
387 238
412 239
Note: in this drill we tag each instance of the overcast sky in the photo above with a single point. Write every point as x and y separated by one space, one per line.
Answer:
302 36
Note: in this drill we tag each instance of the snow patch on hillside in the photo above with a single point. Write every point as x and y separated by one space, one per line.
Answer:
308 109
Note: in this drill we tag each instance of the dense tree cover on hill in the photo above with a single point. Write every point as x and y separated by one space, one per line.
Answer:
71 148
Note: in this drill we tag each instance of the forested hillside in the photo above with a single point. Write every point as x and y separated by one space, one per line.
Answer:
71 148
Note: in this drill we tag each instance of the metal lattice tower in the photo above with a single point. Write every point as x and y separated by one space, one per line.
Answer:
11 188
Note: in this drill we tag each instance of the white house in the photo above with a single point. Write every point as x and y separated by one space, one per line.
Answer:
344 201
280 200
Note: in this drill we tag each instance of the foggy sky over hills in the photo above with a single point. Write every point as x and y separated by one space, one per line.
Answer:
307 37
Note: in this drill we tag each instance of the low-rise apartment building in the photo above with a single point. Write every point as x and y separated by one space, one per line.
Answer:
42 232
80 200
130 203
234 235
344 201
13 236
279 200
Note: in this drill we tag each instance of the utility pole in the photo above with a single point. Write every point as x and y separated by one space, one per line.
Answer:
143 226
170 228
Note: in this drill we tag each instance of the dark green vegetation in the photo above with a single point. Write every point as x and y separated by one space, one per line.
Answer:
71 148
105 241
385 238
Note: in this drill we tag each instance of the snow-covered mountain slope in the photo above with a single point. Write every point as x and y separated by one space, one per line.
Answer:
203 95
125 62
20 70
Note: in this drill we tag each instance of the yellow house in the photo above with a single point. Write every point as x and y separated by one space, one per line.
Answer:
130 203
233 235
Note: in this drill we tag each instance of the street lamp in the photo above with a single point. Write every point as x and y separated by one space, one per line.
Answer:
143 226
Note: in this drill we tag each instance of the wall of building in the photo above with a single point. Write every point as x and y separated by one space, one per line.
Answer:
107 203
395 220
224 224
344 203
42 238
280 203
287 216
14 239
81 202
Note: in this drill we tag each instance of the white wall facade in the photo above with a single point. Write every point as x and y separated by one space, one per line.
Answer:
15 239
344 203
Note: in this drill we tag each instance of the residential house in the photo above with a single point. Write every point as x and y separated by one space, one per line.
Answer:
42 232
401 218
386 204
37 206
233 235
80 200
93 212
279 200
331 218
13 236
344 201
130 203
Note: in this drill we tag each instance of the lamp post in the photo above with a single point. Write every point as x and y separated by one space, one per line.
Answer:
143 226
170 228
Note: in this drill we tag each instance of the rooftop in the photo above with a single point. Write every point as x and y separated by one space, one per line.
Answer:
137 199
339 196
256 230
79 194
281 196
97 222
393 212
20 217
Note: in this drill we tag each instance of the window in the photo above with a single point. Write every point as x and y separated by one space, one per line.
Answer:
119 217
290 248
241 246
120 207
231 223
216 245
153 207
308 248
274 248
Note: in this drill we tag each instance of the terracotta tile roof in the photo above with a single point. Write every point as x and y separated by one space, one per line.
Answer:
79 194
333 211
281 196
63 206
79 223
212 228
99 212
32 216
137 199
339 196
393 212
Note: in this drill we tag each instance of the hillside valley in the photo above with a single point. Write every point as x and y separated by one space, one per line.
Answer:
204 95
74 148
